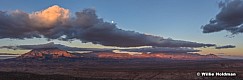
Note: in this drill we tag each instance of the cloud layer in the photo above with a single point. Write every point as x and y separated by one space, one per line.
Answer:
53 45
141 50
163 50
225 47
56 23
230 18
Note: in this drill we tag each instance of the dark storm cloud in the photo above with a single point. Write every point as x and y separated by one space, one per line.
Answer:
163 49
56 23
16 25
225 47
52 45
230 18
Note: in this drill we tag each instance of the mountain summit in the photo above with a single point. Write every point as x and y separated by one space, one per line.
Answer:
46 53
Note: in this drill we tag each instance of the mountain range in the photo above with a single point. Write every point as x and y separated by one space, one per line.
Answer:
55 53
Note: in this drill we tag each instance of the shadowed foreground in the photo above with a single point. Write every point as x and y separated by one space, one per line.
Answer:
31 76
113 69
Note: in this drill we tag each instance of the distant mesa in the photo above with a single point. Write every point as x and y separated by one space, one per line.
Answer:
170 56
55 53
46 53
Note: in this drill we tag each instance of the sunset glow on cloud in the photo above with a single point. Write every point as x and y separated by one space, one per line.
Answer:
50 17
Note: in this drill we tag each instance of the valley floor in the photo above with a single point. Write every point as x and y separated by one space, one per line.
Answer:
120 69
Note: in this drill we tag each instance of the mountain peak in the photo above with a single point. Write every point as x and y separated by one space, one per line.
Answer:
46 53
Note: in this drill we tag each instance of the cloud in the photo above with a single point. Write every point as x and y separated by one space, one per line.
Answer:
230 18
50 17
163 50
53 45
224 47
63 47
56 23
8 54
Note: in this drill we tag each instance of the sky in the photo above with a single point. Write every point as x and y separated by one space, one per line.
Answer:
175 19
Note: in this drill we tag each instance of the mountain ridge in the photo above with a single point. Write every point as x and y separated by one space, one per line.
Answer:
46 53
55 53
